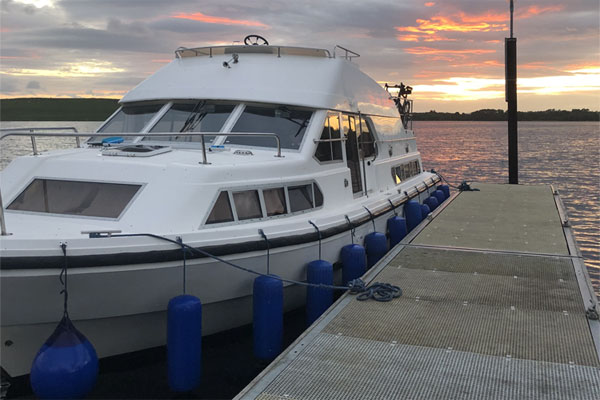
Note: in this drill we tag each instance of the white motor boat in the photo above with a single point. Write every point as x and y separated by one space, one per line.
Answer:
221 147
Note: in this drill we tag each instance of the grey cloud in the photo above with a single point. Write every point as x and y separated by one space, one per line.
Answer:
178 25
89 39
8 84
115 25
33 85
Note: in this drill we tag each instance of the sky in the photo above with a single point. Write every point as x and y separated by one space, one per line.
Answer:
450 52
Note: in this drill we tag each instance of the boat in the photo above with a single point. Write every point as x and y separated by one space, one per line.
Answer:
238 150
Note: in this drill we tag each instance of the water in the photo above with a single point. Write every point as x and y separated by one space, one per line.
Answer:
563 154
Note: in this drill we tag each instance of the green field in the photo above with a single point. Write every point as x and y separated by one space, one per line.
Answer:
41 109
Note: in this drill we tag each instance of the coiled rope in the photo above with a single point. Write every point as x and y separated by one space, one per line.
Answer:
463 187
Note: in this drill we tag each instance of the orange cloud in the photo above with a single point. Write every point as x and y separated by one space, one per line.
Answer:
209 19
457 23
492 21
430 4
536 10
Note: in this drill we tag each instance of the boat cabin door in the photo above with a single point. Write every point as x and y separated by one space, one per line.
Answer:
349 123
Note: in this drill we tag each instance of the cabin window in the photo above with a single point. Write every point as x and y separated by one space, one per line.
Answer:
201 116
287 122
318 196
330 146
387 128
366 140
91 199
131 118
221 211
405 171
275 201
301 197
247 204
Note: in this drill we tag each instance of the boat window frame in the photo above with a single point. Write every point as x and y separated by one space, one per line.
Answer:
233 115
402 164
341 139
260 188
141 185
166 104
243 104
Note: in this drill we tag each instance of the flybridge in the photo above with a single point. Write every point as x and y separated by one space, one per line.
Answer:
254 44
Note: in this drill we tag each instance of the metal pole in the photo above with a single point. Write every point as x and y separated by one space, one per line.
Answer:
203 150
510 48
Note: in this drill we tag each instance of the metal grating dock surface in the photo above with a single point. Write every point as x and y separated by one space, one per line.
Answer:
339 367
495 319
503 217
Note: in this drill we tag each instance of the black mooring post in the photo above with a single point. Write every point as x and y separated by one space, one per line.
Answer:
510 49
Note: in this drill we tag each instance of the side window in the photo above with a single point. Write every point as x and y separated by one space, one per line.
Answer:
366 139
330 148
405 171
275 201
301 197
247 204
221 211
318 196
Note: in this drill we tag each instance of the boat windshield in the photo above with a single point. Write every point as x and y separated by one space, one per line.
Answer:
129 119
289 123
200 116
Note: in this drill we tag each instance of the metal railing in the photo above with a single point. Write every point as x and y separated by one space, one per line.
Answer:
348 55
31 133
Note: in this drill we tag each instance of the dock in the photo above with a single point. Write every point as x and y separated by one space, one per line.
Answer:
496 304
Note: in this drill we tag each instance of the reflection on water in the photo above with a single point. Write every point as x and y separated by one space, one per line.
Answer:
564 154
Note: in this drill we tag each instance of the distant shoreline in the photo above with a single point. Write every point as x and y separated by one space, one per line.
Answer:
51 109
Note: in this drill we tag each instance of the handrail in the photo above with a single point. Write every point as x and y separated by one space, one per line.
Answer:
395 140
16 132
349 53
33 129
29 132
241 49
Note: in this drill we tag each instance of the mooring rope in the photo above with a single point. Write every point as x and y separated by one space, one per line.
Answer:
463 187
63 274
377 291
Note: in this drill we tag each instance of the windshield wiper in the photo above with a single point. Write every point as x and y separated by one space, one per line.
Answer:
194 118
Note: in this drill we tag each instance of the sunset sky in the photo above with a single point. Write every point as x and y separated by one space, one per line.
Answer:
451 52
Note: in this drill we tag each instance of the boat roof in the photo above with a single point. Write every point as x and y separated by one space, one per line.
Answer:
306 77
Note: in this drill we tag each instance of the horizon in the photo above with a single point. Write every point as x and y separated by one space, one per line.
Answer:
451 54
415 112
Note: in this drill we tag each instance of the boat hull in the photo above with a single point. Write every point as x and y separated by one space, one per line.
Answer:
122 308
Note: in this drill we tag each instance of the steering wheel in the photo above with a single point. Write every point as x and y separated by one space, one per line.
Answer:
255 40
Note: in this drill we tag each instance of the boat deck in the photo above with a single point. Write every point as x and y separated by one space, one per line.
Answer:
494 306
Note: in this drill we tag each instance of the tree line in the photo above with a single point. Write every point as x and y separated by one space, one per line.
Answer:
49 109
582 114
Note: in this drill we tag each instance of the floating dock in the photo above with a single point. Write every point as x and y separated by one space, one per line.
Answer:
497 304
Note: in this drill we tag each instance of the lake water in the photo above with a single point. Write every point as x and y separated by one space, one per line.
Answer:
564 154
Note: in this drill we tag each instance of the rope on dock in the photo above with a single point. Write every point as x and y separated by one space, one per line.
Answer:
377 291
463 187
